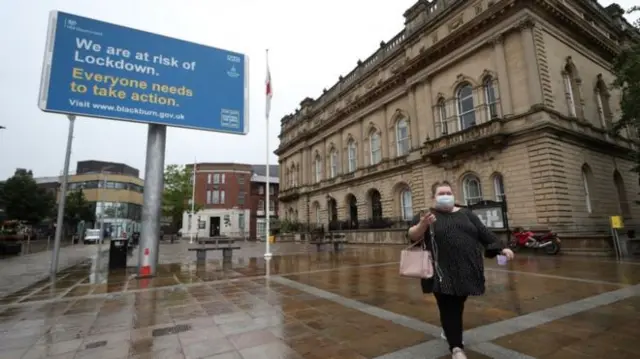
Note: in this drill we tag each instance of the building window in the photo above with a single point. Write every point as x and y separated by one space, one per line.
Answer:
623 202
261 190
442 117
316 211
272 205
208 197
466 110
222 197
216 178
402 137
209 178
352 153
490 98
318 168
472 189
376 149
241 179
272 189
333 159
572 89
498 187
261 205
241 198
376 204
215 198
586 174
602 98
406 205
292 174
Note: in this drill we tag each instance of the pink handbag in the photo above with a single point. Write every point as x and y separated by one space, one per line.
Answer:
416 262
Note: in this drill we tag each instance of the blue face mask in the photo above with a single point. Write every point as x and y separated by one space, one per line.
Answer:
445 201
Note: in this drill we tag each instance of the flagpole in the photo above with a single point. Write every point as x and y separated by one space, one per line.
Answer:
267 253
193 201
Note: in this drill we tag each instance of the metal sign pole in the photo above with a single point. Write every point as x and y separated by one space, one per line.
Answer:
63 198
151 209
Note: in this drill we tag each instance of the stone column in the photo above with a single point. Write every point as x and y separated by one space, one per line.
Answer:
533 75
413 118
504 85
281 170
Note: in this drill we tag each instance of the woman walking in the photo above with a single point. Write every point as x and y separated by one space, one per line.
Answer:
459 236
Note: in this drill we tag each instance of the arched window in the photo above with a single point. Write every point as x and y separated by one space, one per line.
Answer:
498 187
376 149
352 154
603 101
333 159
572 88
623 202
316 209
294 179
352 205
472 189
490 98
287 177
586 176
402 137
318 168
442 117
466 109
406 204
375 200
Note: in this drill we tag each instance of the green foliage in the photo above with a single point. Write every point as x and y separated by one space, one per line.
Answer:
23 200
287 226
77 209
626 68
177 193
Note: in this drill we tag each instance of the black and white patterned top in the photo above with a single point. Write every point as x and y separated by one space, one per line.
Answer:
459 239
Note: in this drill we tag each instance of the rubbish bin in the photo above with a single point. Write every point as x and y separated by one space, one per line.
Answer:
272 239
118 253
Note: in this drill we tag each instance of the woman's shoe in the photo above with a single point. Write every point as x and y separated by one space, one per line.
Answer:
458 353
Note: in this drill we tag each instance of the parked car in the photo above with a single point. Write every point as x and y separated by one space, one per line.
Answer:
91 236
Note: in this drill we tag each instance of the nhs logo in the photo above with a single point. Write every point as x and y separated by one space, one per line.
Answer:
70 24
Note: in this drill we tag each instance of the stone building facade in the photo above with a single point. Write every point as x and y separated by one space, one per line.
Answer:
503 98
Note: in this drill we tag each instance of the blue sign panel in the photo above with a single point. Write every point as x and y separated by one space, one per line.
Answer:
93 68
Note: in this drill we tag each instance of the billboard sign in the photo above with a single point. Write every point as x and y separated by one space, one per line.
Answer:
97 69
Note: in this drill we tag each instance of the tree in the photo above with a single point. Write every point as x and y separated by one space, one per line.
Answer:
23 200
177 193
77 210
626 69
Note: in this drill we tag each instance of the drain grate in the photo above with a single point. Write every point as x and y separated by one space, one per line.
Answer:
96 344
170 330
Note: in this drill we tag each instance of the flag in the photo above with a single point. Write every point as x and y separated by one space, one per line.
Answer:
269 89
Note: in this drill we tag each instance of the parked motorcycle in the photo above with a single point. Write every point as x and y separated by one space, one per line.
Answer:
547 241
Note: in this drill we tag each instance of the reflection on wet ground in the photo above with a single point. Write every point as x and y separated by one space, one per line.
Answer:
342 305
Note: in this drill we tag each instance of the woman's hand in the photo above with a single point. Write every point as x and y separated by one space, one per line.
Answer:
508 253
428 218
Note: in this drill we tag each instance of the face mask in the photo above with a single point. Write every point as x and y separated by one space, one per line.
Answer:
445 201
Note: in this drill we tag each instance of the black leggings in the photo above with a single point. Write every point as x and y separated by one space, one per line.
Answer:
451 309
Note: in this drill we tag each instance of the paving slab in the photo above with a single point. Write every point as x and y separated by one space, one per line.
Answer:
309 304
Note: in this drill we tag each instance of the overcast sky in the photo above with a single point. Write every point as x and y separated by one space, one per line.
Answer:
311 43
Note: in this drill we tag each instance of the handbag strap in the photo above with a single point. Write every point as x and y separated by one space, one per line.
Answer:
414 244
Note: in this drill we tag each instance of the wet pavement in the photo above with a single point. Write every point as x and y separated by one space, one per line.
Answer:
325 305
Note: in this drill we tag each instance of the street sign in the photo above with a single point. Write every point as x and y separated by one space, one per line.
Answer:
97 69
616 222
